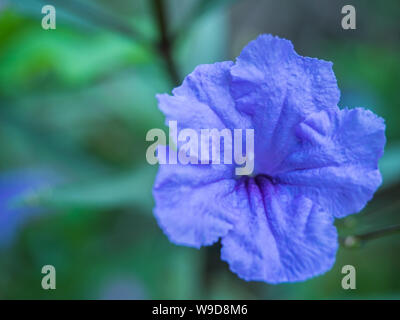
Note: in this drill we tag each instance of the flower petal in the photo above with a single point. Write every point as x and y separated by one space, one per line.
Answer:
195 204
204 100
278 88
336 163
281 236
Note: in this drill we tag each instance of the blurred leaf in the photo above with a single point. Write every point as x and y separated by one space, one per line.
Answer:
129 94
375 69
34 145
68 56
91 15
390 164
127 189
205 42
185 14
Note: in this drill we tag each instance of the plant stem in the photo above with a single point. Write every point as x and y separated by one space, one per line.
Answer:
103 19
379 233
357 240
164 45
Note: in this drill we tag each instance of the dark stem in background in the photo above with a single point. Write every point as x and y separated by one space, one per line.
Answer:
212 264
108 21
165 43
357 240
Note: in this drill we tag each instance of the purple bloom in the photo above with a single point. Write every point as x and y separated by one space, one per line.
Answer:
15 188
313 162
122 288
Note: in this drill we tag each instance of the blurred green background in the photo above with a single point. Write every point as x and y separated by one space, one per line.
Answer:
76 103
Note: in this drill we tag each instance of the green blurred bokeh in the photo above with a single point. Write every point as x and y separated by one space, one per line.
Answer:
78 101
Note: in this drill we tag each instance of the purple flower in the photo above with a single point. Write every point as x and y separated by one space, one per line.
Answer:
313 162
16 189
122 288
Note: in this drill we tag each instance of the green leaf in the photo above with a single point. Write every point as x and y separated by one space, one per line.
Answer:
122 190
65 56
389 165
205 42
